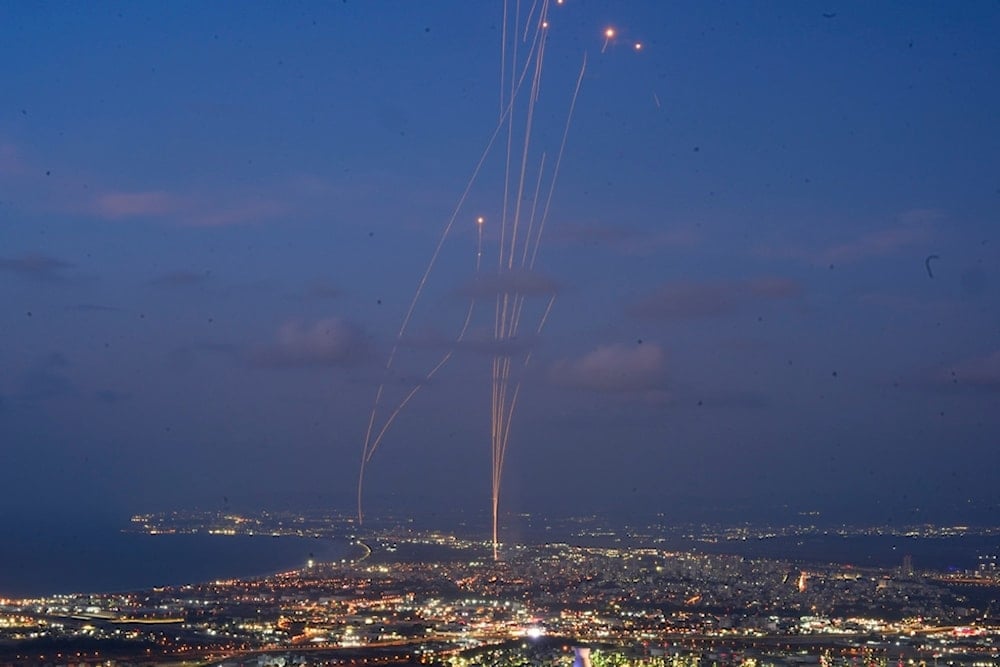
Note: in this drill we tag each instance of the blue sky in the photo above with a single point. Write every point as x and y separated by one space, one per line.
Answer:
213 220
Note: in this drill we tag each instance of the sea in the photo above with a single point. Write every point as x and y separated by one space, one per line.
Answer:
41 560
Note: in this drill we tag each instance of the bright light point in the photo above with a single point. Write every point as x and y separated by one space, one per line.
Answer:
638 46
559 2
480 220
534 632
545 24
609 33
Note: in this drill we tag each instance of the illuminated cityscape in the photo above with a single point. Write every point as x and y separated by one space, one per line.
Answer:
411 595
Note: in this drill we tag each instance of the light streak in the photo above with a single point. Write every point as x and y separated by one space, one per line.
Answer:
609 34
519 233
371 444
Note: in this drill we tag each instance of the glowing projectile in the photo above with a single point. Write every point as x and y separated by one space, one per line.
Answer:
609 34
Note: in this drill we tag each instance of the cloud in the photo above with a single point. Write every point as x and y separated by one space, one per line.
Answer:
874 244
197 210
196 204
117 205
234 214
913 227
201 207
328 342
181 279
37 267
701 300
518 281
614 368
980 374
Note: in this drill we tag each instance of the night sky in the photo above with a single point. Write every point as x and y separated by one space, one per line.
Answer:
773 245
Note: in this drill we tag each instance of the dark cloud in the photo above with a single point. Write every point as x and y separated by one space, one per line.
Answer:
181 279
699 300
517 281
614 368
37 267
328 342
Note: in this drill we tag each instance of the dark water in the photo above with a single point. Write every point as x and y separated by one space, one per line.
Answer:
36 560
886 551
943 554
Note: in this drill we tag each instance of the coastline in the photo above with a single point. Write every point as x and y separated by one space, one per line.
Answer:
37 563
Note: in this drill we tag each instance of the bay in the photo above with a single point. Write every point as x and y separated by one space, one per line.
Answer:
40 560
